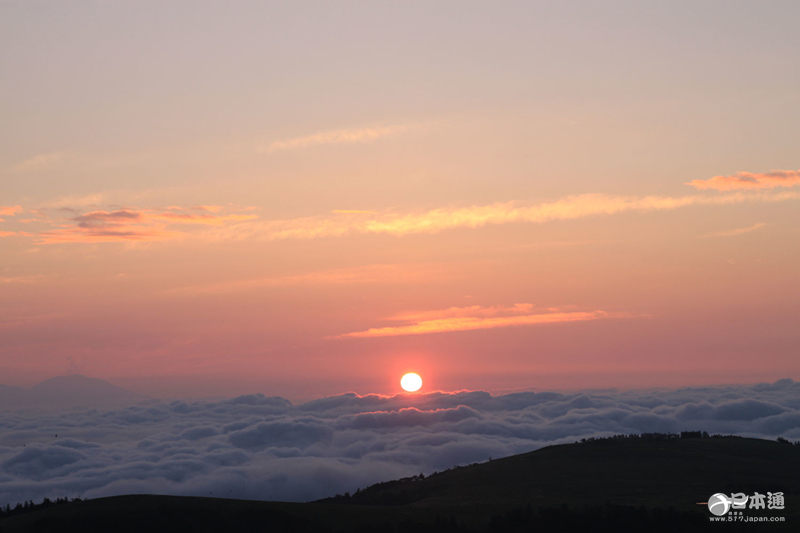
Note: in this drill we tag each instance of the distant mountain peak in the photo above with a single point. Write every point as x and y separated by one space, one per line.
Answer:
69 391
76 380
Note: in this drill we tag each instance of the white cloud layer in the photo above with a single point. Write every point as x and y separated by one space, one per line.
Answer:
260 447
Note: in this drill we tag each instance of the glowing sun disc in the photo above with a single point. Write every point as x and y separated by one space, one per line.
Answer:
411 382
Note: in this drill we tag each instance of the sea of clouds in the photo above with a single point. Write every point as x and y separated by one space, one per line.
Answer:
259 447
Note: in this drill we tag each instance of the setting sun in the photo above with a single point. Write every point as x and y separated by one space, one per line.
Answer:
411 382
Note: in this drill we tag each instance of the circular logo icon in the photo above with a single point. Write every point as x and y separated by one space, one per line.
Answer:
719 504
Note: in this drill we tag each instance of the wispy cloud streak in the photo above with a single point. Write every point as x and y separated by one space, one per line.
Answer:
387 273
347 136
737 231
472 318
40 162
10 210
135 225
446 218
749 180
21 280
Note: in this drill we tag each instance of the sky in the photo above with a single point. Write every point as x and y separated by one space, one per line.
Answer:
303 199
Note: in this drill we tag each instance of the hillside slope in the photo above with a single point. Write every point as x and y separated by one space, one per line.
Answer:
605 485
656 473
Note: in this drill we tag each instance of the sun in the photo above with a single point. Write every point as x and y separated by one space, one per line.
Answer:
411 382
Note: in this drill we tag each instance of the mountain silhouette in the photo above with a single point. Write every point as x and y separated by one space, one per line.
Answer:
67 392
618 484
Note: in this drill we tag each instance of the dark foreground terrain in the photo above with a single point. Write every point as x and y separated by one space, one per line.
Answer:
621 484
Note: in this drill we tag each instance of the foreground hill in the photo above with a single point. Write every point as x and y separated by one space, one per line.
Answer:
614 484
639 471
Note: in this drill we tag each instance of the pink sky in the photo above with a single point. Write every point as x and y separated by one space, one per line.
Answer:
305 202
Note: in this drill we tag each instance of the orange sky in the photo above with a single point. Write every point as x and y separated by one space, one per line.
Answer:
305 201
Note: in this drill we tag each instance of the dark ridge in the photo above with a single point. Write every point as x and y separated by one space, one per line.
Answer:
435 486
649 482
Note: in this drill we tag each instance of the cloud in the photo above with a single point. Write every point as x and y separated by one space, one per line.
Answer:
348 136
738 231
74 203
34 278
379 273
16 234
10 210
749 180
41 162
206 220
117 233
470 311
129 224
473 317
409 417
136 225
39 462
102 218
448 218
261 447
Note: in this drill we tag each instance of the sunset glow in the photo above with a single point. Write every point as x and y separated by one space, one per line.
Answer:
306 199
